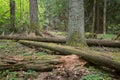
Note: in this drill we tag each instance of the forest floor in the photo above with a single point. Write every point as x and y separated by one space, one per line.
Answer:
72 68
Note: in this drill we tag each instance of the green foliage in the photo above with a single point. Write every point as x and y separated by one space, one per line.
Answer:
48 11
106 36
114 28
41 53
92 77
2 47
90 35
96 74
7 75
30 73
4 11
51 11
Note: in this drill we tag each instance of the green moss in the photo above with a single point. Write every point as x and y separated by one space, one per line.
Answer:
76 40
42 57
106 36
33 26
96 74
116 56
90 35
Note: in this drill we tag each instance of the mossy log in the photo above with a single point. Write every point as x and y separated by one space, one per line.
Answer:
105 43
94 57
90 42
37 65
40 39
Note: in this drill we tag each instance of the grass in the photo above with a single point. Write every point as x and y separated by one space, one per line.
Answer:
106 36
96 74
17 75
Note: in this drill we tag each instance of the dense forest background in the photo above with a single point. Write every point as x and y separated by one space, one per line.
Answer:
53 14
51 9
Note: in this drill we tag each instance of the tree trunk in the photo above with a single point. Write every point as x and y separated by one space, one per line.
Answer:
76 35
104 16
94 16
12 15
90 42
33 12
98 17
94 57
98 28
34 25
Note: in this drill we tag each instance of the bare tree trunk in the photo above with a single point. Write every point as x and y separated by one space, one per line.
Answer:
33 15
12 15
76 23
33 11
94 15
104 16
98 29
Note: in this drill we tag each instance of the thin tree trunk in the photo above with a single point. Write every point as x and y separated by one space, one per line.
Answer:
94 15
12 15
98 18
104 16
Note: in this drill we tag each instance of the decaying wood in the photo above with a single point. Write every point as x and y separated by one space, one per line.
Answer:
41 39
38 65
91 56
106 43
90 42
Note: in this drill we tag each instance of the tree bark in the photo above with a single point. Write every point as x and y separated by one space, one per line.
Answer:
76 36
98 17
104 16
91 56
12 15
34 25
94 17
90 42
33 12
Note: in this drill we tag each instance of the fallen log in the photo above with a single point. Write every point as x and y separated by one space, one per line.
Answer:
37 65
90 42
41 39
91 56
105 43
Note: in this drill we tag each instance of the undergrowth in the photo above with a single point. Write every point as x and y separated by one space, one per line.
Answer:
96 74
18 75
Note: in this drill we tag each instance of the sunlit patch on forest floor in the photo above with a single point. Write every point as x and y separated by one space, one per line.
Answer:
72 68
